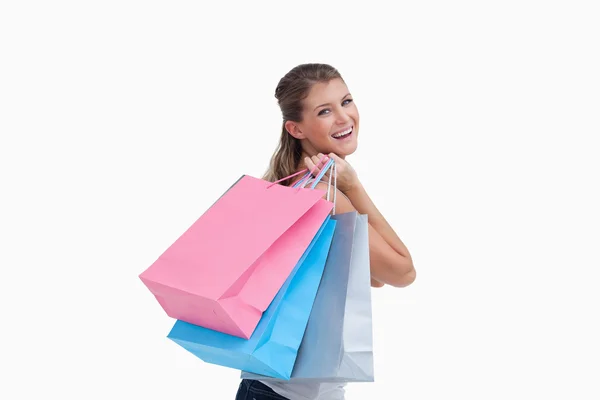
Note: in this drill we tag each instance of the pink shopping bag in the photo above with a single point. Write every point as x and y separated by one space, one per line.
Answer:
226 268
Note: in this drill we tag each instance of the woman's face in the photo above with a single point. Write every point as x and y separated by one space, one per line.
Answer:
330 120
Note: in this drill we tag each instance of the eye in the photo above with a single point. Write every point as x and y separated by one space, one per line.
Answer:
346 102
322 112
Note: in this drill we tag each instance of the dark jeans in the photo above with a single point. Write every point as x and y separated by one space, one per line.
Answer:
254 390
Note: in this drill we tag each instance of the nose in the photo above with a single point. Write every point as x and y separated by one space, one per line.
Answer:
342 117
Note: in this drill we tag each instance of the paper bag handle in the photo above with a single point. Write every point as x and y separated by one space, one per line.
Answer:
333 173
330 164
300 172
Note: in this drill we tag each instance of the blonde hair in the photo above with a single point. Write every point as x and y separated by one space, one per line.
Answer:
292 89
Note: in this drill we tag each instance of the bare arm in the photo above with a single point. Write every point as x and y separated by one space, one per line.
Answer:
391 262
401 262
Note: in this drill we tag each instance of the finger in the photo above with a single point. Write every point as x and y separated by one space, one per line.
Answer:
323 157
335 157
339 163
320 159
321 163
316 161
313 166
309 163
310 166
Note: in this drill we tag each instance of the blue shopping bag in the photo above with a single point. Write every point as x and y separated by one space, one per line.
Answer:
272 348
338 342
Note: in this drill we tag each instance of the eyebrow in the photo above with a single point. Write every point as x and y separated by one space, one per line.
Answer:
326 104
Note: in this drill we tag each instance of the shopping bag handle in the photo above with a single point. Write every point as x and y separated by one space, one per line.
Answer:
330 164
309 173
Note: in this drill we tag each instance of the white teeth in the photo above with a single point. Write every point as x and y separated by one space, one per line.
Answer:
337 135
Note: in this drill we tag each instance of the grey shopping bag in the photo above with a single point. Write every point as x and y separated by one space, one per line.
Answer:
338 342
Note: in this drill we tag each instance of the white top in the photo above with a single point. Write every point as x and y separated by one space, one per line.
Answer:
308 390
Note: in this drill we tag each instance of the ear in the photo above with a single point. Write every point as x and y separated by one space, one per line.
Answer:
294 130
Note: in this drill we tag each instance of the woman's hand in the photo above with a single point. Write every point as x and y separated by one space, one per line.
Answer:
346 175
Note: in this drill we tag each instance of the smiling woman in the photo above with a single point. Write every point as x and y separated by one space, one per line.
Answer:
321 121
330 127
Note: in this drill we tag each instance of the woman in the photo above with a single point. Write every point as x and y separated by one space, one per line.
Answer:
320 120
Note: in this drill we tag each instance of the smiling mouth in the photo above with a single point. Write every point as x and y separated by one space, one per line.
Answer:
343 134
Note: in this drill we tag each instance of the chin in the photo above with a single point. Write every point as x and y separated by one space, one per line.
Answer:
346 150
344 154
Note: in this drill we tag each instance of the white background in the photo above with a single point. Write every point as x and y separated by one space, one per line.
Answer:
122 121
